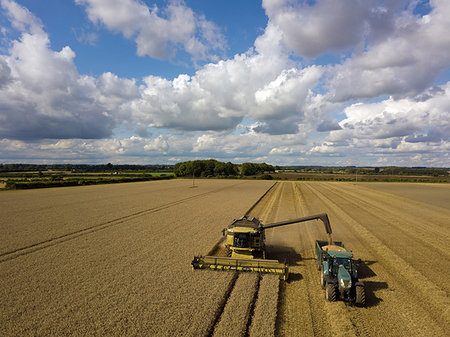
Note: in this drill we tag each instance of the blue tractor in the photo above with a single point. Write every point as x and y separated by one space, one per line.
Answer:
339 273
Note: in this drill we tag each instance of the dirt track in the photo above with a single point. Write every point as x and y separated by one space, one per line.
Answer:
114 260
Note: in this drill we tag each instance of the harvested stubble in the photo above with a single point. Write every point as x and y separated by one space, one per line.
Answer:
237 309
265 313
131 278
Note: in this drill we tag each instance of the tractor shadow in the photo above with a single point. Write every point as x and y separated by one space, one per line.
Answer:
286 255
364 270
370 287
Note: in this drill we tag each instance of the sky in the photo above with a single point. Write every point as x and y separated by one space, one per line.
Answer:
287 82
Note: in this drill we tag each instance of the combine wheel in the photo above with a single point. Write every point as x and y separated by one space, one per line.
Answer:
322 280
360 296
330 292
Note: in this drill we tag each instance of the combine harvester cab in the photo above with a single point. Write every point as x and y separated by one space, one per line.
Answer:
339 273
245 247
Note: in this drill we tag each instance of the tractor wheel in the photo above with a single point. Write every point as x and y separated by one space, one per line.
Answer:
318 265
330 292
360 296
322 280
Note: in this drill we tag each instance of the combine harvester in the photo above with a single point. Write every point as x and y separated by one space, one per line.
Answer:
245 246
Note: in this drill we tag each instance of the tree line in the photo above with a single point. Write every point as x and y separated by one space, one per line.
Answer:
82 168
215 168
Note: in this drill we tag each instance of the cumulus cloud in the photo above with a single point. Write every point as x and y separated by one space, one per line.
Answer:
325 26
403 63
158 33
42 95
395 127
387 46
264 104
21 18
220 95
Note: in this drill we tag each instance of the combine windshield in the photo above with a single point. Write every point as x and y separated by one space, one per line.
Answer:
241 240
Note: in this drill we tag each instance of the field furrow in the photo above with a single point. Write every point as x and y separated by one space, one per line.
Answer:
265 312
235 317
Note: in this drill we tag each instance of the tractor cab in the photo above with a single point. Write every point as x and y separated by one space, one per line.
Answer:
341 263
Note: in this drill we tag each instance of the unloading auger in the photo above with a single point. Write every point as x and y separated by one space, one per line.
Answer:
246 250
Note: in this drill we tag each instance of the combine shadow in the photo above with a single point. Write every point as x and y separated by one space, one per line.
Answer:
287 255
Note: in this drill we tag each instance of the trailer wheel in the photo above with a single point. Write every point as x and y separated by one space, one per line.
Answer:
322 280
330 292
360 296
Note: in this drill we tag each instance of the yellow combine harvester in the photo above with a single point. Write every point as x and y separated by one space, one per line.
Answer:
245 247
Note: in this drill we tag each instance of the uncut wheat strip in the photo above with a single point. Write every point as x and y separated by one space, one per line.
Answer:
265 314
237 309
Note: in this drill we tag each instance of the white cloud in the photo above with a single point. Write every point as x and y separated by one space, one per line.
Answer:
158 33
21 18
326 26
220 95
262 104
396 128
42 95
405 62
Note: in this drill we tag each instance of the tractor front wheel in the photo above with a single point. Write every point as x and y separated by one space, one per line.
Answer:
330 292
360 296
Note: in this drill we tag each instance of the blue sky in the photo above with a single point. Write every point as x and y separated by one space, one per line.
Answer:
286 82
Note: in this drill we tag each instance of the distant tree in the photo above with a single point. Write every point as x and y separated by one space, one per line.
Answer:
231 169
249 169
198 168
220 169
209 167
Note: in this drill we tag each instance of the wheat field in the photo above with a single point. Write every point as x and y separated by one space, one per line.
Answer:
115 260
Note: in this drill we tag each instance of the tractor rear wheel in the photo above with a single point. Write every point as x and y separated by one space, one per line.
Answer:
360 296
322 280
330 292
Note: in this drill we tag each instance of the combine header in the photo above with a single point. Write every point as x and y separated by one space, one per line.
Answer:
245 246
238 264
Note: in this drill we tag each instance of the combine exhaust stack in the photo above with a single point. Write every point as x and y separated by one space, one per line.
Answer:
243 265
